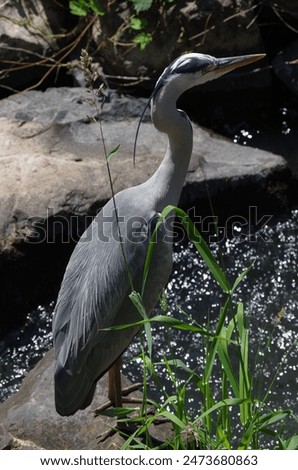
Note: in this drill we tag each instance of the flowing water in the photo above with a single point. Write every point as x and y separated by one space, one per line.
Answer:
269 291
270 297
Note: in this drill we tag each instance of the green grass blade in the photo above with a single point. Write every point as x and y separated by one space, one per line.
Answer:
117 412
223 354
215 341
171 417
151 246
247 436
240 278
272 418
178 363
244 374
166 320
292 443
220 404
223 439
138 302
202 247
113 152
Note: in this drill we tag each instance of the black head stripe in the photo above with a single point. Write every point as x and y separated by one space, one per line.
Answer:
190 63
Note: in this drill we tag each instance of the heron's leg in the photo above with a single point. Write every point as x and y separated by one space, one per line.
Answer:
114 393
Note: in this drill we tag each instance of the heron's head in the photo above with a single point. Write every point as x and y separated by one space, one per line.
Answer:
188 71
194 69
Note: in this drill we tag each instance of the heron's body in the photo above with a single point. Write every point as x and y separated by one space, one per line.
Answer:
94 294
97 287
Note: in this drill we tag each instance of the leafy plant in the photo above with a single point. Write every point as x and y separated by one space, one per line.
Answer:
141 5
142 40
145 5
83 7
232 416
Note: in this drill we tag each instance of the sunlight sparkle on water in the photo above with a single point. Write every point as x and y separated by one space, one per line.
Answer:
193 294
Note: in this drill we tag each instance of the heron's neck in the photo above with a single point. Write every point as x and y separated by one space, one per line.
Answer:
168 180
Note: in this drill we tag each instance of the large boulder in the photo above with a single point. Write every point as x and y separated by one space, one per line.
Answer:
29 419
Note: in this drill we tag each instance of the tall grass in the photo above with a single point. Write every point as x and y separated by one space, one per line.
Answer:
234 415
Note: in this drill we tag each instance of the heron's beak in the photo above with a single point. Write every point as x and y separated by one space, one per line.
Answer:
227 64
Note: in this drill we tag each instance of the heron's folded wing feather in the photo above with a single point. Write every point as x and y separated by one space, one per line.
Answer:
95 284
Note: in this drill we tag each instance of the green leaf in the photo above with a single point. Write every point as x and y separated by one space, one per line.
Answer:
166 414
244 377
177 363
113 152
202 247
223 438
94 6
172 322
142 40
137 24
83 7
292 443
220 404
78 8
242 276
118 412
272 418
223 354
138 302
214 345
141 5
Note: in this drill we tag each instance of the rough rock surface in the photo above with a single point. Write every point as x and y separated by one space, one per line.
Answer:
29 419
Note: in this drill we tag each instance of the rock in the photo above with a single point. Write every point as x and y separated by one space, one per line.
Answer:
52 145
217 27
6 439
29 419
54 180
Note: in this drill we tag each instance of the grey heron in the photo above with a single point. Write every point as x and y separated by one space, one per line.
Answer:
94 293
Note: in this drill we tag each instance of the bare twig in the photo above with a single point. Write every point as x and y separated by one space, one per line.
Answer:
58 62
276 11
225 20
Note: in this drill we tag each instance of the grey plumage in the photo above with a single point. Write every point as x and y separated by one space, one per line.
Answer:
94 292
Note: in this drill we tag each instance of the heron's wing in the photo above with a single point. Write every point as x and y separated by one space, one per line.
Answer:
94 287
